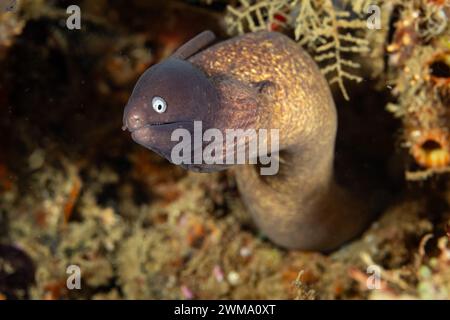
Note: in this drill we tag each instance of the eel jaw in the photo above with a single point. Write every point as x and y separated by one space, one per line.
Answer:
158 136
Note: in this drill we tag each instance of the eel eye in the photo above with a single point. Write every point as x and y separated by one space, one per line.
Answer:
159 104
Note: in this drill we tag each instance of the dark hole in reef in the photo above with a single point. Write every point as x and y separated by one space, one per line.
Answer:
440 69
108 195
19 275
430 145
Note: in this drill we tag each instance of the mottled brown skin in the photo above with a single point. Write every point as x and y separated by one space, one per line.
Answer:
259 80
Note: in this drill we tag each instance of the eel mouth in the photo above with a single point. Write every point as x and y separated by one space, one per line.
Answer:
152 134
156 136
153 124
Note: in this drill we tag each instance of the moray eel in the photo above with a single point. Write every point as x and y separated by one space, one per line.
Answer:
257 80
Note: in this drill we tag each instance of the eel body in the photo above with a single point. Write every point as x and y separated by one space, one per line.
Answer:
261 80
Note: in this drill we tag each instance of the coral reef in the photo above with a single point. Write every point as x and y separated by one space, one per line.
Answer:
419 71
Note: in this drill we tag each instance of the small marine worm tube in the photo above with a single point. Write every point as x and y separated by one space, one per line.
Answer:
431 149
439 68
427 134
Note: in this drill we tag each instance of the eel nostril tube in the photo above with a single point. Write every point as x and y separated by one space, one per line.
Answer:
135 119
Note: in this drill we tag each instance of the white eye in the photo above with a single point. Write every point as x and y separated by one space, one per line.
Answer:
159 104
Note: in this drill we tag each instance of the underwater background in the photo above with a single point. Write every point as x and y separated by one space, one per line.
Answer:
76 190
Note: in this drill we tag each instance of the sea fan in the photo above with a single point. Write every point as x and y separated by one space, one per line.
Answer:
256 15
